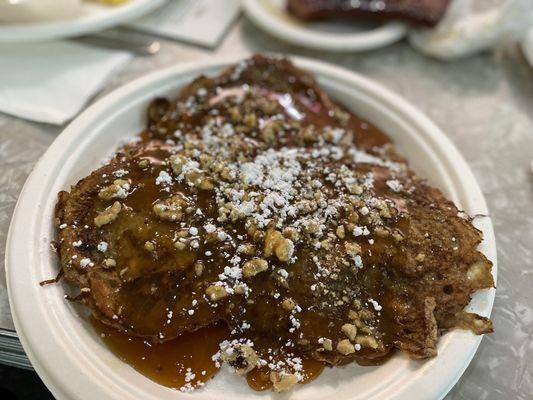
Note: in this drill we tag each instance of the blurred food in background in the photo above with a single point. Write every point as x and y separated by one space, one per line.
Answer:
16 11
450 28
419 12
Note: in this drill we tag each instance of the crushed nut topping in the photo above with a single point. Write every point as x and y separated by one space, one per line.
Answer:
108 215
216 293
345 347
118 190
253 267
350 331
171 209
239 356
283 382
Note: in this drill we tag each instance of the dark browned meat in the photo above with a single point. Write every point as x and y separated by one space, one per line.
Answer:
422 12
254 199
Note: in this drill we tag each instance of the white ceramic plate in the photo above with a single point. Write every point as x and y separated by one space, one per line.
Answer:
69 356
92 18
271 16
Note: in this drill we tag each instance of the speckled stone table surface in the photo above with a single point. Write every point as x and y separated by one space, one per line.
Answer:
483 103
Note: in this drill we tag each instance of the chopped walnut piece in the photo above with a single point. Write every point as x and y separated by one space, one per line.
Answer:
144 163
281 281
282 381
269 131
250 120
271 240
291 233
109 263
177 162
180 245
353 315
171 209
350 331
276 244
326 244
253 267
108 215
288 304
353 217
117 190
240 289
342 116
345 347
327 345
216 293
384 210
235 114
366 315
199 180
284 250
352 249
420 257
367 341
310 134
397 236
333 135
242 358
246 249
356 189
268 106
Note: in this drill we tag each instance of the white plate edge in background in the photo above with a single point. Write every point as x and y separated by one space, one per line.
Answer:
60 29
376 38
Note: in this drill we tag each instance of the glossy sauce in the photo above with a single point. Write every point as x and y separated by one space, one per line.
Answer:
167 363
259 378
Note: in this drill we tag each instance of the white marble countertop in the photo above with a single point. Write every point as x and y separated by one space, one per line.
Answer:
484 104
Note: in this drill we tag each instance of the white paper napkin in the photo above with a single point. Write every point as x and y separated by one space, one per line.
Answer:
465 30
200 22
51 82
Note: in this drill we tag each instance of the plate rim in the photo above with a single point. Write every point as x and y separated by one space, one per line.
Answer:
382 36
315 67
62 29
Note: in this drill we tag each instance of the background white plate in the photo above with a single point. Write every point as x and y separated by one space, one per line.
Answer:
527 46
69 356
93 18
272 16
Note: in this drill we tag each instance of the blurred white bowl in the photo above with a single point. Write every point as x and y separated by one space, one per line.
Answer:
13 11
41 20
